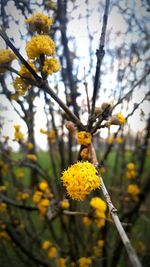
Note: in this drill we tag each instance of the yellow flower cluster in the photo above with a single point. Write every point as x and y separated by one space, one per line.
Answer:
3 167
85 262
99 207
80 179
117 140
32 157
3 207
40 45
51 249
51 134
118 119
86 221
6 57
131 171
22 85
28 145
97 249
18 135
84 138
51 65
39 22
42 197
22 196
64 204
61 262
4 235
84 153
133 191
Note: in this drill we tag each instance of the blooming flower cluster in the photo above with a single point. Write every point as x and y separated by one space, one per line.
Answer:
99 207
97 249
134 191
131 170
51 134
85 262
50 248
42 197
22 83
84 138
6 57
40 45
39 23
64 204
118 119
18 135
80 179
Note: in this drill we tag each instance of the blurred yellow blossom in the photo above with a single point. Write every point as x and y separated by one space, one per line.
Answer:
6 57
32 157
61 262
64 204
46 245
84 153
86 221
51 65
134 191
39 22
3 207
37 196
52 252
18 135
118 119
84 138
43 185
85 262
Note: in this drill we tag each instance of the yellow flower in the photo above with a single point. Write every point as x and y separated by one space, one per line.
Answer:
32 157
86 221
51 65
84 153
4 235
46 244
43 205
84 138
29 145
85 262
40 45
18 135
131 170
64 204
51 135
100 243
43 186
25 72
80 179
3 167
3 207
21 85
98 203
52 252
61 262
133 191
24 195
39 22
99 211
6 57
37 196
131 166
118 119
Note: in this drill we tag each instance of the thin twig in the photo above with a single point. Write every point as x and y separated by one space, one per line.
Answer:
100 54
